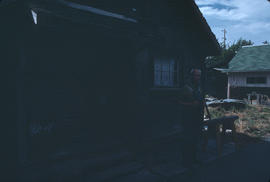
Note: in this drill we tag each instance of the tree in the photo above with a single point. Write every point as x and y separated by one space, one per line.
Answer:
226 55
266 42
216 81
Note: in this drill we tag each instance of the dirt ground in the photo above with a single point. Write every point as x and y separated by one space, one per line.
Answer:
254 120
248 165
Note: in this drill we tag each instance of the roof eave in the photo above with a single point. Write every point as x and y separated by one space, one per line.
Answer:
247 71
216 49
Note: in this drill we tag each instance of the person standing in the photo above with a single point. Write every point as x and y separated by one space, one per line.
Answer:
192 105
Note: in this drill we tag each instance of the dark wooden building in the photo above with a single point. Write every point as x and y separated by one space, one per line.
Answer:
99 72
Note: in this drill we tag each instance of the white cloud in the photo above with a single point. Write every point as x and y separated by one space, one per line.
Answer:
249 19
223 14
207 2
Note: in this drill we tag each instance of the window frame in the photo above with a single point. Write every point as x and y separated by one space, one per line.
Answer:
172 75
256 80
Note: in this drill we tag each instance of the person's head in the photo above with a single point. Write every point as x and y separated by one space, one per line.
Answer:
196 75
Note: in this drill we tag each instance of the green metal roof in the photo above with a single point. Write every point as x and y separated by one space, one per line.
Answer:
251 58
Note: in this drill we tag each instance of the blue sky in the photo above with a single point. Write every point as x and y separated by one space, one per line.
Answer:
249 19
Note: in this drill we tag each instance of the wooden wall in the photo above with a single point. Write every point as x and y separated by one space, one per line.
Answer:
239 79
98 83
82 82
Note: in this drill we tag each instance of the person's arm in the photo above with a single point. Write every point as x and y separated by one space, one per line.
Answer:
186 97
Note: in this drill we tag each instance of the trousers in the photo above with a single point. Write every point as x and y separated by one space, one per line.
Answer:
192 132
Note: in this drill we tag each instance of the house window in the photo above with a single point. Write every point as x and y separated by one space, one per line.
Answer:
256 80
166 73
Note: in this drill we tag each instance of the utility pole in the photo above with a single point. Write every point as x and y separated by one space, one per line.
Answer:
224 38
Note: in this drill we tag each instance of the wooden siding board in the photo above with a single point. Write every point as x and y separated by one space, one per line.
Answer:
103 93
239 79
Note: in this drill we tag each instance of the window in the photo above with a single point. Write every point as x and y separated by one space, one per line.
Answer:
166 73
256 80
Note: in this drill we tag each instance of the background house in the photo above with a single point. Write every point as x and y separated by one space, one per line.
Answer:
249 71
95 76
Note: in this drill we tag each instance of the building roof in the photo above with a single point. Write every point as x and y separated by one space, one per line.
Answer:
251 59
82 10
207 28
222 70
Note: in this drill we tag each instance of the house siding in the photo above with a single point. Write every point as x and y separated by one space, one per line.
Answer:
94 82
239 79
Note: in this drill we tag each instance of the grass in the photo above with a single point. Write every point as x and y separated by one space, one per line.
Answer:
253 121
